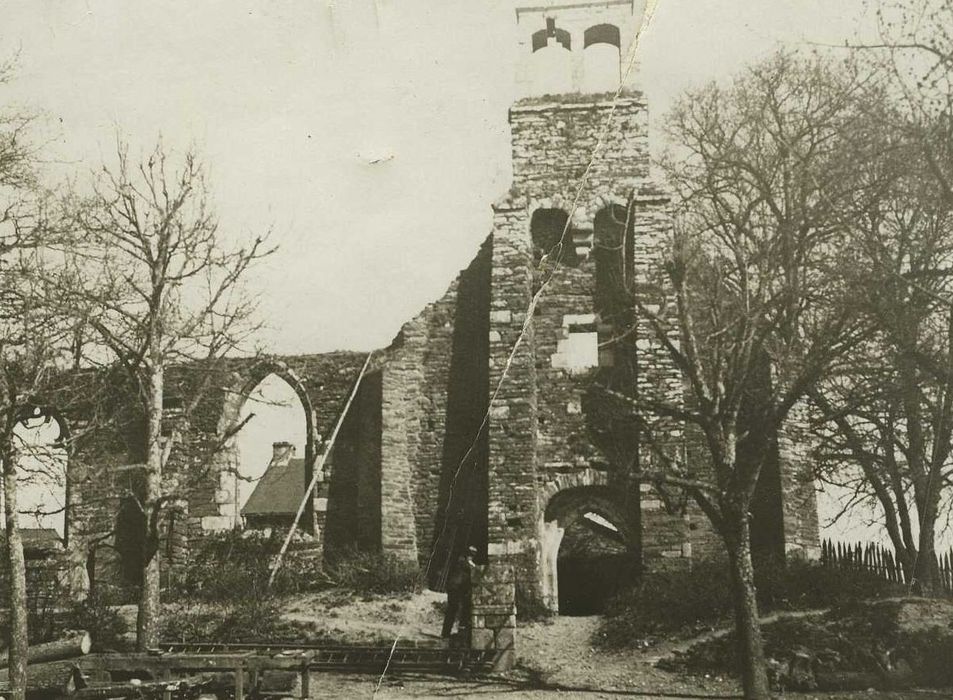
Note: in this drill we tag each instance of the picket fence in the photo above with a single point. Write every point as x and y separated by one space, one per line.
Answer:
880 560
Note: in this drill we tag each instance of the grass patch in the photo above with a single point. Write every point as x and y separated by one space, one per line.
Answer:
684 603
861 641
223 595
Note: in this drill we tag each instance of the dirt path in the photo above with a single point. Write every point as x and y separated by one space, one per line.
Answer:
560 654
555 658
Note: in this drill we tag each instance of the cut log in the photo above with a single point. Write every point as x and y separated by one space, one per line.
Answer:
75 644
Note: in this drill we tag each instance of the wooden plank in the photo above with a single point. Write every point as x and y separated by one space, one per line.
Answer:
167 690
240 683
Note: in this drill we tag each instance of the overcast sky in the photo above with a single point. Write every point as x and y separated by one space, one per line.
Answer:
290 101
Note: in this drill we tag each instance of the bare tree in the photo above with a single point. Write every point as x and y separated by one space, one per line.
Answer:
32 334
161 288
744 307
916 49
889 411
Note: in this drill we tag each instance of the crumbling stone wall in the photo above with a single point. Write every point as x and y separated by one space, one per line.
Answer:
105 464
434 400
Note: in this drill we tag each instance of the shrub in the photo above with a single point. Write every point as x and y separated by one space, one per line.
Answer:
234 565
237 565
243 622
364 572
804 585
96 615
664 602
103 622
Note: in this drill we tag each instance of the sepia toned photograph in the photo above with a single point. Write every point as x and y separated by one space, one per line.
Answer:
476 349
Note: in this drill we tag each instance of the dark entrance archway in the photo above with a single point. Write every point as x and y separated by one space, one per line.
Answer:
588 549
592 564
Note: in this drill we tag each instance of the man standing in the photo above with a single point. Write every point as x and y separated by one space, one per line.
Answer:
458 593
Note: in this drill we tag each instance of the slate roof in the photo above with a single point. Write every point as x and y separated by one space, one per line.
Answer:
279 491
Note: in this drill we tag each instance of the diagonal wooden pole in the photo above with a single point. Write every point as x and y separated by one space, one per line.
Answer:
317 471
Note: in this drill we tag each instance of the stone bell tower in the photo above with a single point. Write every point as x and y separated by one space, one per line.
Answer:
581 216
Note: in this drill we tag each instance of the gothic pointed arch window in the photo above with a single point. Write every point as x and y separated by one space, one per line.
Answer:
272 445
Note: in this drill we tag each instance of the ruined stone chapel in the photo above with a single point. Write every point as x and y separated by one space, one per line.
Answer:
484 423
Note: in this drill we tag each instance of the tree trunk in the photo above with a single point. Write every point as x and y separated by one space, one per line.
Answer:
926 572
17 643
754 674
147 621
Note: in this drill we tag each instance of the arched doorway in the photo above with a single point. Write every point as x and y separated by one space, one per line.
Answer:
588 550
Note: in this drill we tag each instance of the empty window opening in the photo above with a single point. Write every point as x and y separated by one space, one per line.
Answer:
613 252
578 349
601 34
553 237
41 479
271 448
551 36
551 62
602 64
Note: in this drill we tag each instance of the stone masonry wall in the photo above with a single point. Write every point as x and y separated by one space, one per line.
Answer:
579 158
555 141
582 158
798 494
434 400
666 534
513 508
